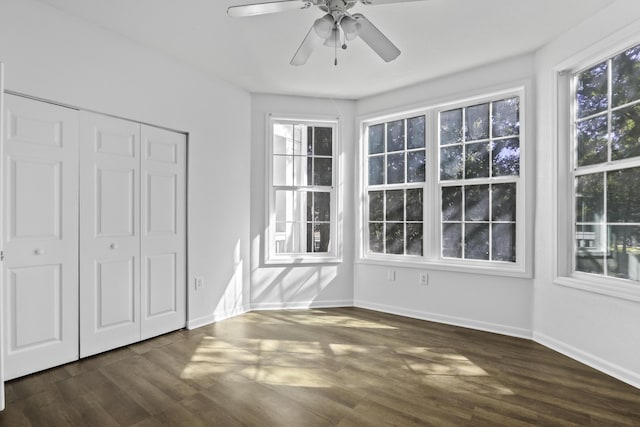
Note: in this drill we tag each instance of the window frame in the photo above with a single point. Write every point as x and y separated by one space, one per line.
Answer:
334 254
432 256
566 171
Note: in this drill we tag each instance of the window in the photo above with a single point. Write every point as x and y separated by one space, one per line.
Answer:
443 186
396 178
479 170
303 201
605 130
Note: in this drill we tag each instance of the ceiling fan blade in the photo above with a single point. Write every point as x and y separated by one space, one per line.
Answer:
376 2
308 45
267 7
375 39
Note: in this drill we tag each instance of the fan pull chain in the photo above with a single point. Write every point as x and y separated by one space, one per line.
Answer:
335 46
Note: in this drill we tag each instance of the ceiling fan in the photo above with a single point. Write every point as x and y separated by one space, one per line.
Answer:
334 29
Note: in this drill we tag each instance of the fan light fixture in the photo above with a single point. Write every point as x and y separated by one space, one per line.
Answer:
329 29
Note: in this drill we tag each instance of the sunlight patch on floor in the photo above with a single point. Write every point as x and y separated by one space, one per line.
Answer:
339 321
286 376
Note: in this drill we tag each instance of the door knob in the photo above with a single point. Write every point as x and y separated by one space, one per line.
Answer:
113 246
38 251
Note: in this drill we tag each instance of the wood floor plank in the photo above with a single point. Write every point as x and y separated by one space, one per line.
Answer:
323 367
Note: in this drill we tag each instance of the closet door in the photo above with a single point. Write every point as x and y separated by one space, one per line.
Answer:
40 220
109 233
163 223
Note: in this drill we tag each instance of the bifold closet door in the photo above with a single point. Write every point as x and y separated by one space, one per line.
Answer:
163 223
40 220
109 233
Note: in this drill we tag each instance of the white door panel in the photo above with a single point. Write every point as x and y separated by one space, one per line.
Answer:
163 244
40 229
109 233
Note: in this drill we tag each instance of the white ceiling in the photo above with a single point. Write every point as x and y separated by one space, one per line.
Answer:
436 37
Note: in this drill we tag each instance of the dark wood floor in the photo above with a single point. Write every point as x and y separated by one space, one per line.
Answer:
346 367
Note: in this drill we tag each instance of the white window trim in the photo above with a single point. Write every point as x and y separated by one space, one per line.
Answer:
564 163
335 253
432 258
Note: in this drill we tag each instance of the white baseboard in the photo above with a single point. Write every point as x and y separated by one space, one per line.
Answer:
289 305
449 320
216 317
618 372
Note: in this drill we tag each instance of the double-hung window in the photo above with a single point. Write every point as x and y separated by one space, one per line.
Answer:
303 201
443 186
605 131
396 176
479 174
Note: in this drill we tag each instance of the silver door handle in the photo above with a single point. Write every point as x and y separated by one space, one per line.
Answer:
38 251
113 246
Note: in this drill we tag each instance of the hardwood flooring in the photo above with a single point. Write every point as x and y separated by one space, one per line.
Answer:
323 367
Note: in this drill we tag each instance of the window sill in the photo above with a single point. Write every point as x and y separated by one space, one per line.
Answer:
463 266
302 260
605 286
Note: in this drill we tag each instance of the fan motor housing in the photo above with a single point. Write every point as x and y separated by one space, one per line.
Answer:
332 6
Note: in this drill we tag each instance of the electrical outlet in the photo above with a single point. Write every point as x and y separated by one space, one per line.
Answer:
391 275
199 283
423 279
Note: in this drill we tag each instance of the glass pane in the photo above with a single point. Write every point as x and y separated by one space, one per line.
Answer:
506 117
414 204
415 132
376 139
414 239
323 141
300 139
395 238
476 163
289 241
625 133
476 203
376 170
476 241
506 157
282 170
626 76
284 205
318 237
452 240
395 168
590 198
395 205
590 249
451 127
301 168
282 139
309 175
376 205
623 260
376 243
477 122
503 199
591 91
451 162
592 141
503 245
309 141
452 203
415 166
323 171
395 135
322 206
623 203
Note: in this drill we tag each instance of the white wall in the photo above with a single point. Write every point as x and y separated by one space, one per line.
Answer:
321 285
51 55
599 330
488 302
